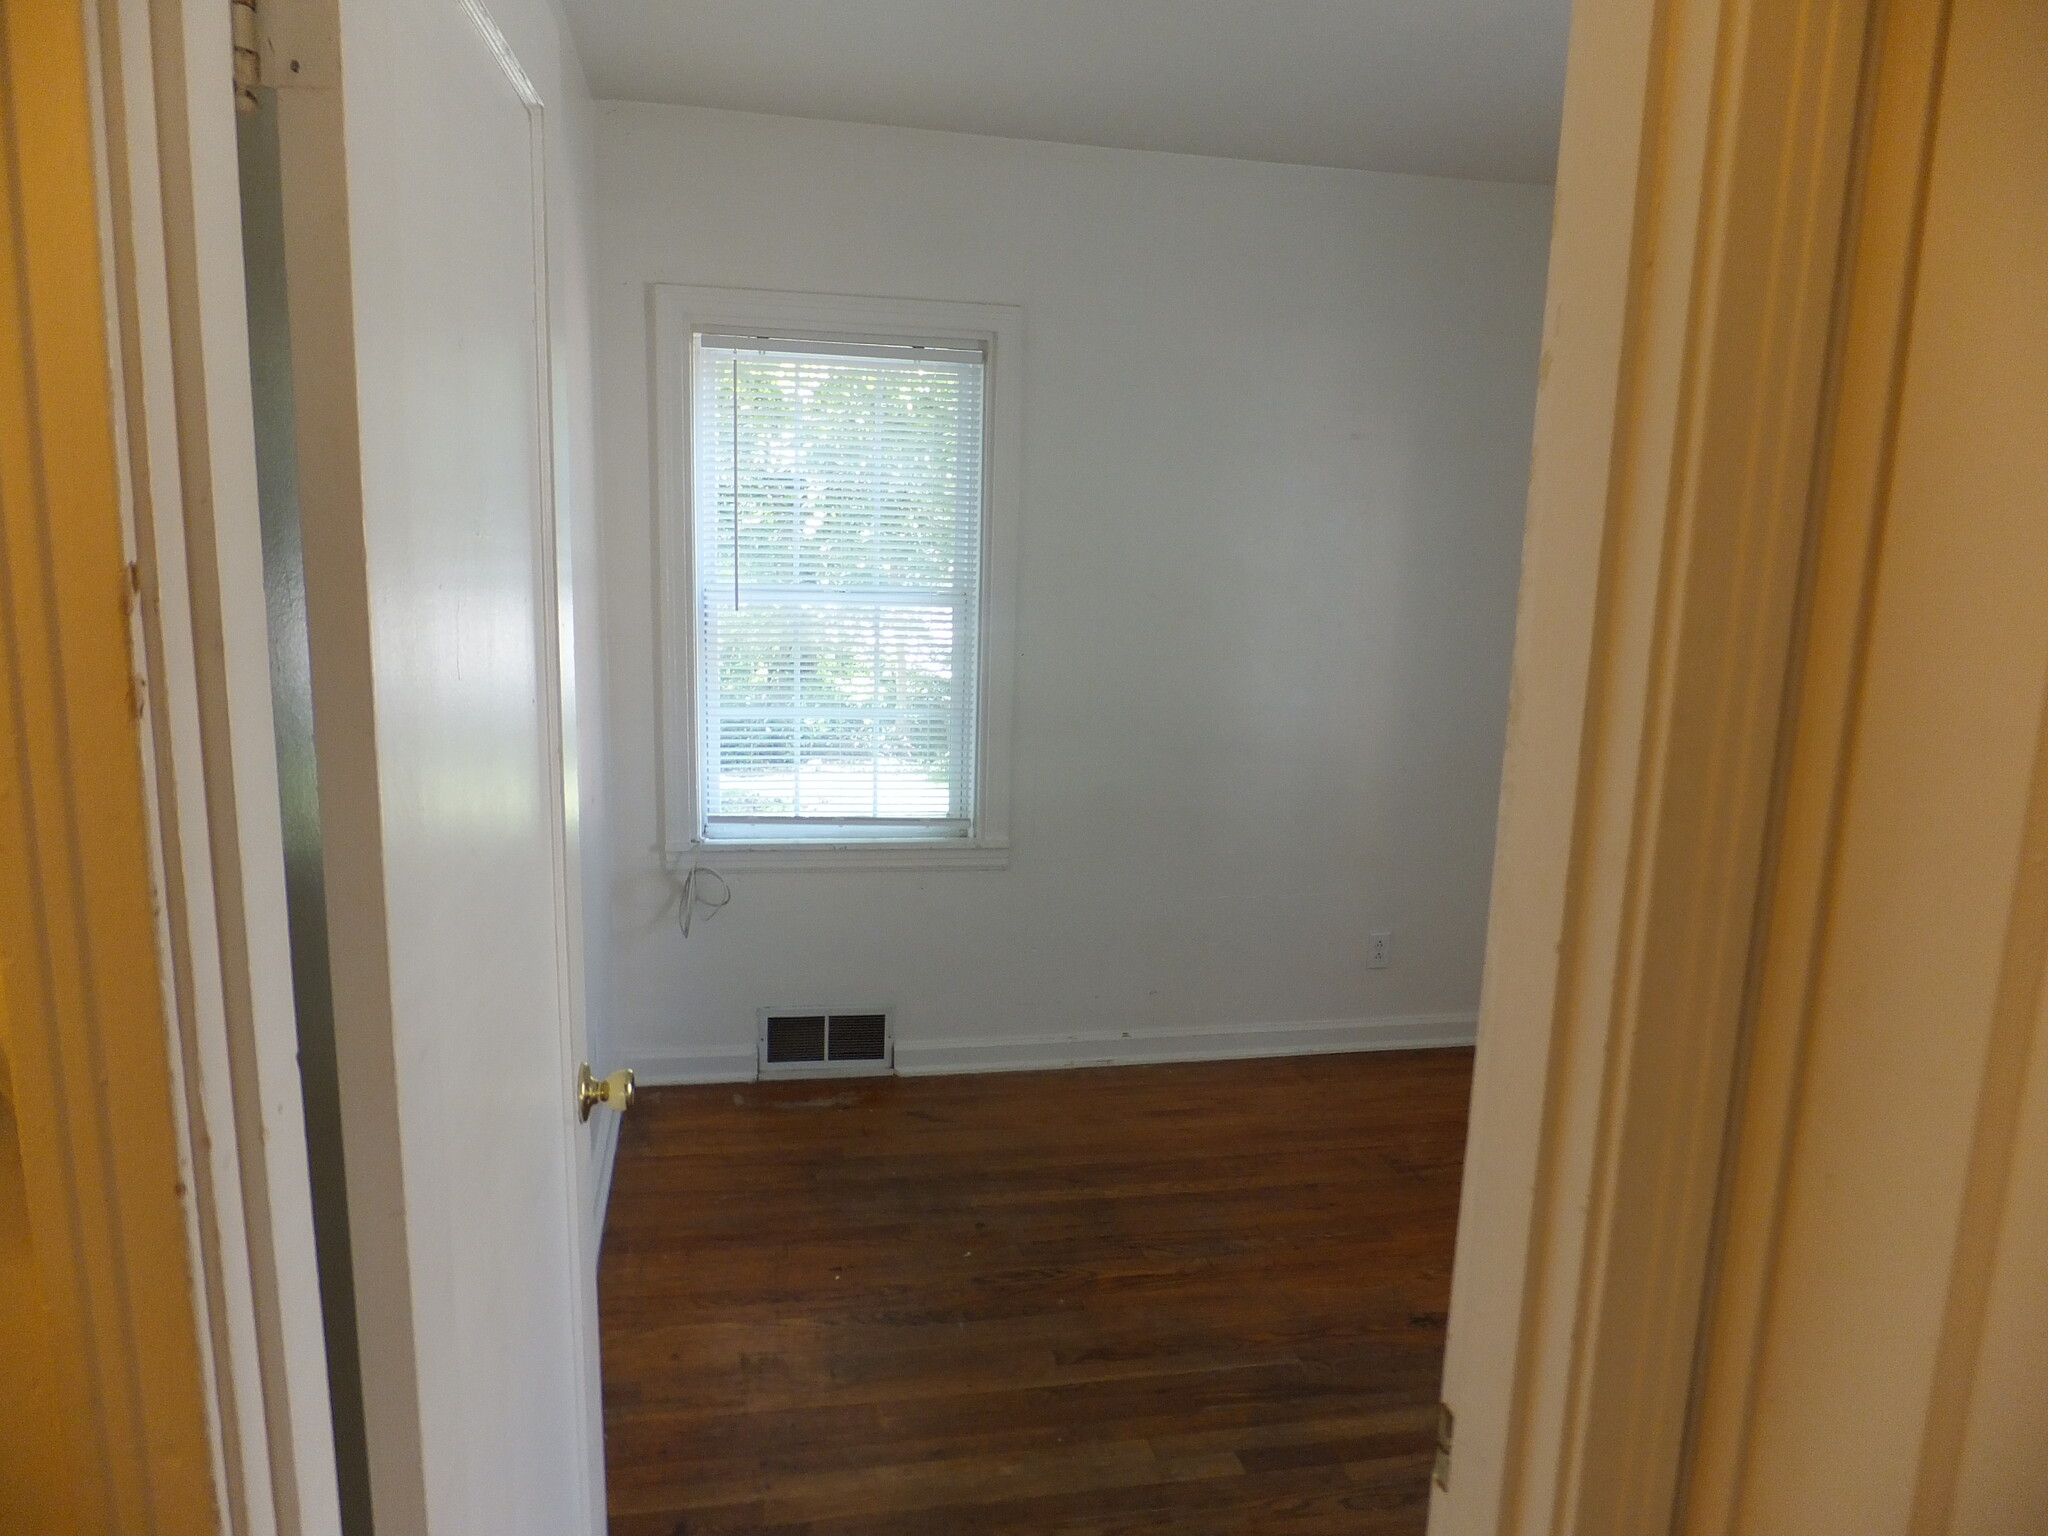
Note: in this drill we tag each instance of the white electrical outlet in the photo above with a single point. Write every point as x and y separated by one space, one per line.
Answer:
1381 953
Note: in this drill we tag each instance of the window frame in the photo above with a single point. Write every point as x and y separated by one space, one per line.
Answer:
680 313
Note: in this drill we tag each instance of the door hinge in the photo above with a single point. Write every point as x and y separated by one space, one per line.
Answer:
248 55
284 44
1444 1425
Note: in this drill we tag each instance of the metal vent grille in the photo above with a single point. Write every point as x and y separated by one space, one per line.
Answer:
858 1037
824 1043
793 1038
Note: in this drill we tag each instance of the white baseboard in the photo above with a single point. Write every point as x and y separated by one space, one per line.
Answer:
604 1156
1219 1042
1025 1053
667 1068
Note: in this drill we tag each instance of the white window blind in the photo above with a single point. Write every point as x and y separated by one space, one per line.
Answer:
838 517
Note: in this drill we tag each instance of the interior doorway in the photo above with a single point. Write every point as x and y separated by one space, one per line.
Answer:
1680 415
1060 586
1048 616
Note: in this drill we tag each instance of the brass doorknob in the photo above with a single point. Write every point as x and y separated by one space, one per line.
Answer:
615 1089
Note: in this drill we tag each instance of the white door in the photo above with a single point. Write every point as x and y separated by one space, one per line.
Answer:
416 268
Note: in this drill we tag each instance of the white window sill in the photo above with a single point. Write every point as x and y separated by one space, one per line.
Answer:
726 857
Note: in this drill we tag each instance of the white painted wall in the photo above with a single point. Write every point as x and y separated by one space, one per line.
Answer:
1276 436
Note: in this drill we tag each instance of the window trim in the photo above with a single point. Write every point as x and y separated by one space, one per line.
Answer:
681 311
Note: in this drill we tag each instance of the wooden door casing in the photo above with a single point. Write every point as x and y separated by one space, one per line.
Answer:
1877 1361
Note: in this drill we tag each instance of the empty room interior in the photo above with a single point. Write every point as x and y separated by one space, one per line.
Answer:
1038 508
1060 493
922 767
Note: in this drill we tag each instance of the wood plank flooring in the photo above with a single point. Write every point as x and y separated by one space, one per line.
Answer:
1179 1300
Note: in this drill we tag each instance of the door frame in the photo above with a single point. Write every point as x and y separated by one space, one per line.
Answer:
157 106
1696 272
1692 354
1829 742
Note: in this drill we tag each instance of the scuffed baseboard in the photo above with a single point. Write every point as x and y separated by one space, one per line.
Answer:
1221 1042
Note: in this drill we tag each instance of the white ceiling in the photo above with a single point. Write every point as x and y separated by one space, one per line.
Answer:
1438 87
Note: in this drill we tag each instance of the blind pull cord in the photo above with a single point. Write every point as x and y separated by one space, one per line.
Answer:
735 503
692 894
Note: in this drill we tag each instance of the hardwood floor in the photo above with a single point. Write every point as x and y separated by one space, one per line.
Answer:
1129 1301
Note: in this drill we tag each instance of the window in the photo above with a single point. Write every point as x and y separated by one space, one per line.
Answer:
834 544
837 493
